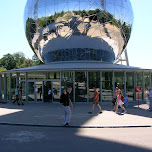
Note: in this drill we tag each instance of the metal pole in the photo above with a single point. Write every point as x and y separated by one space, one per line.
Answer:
135 83
143 86
10 94
100 86
26 86
125 82
113 84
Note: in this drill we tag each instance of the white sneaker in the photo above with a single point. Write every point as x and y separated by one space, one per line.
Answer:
125 111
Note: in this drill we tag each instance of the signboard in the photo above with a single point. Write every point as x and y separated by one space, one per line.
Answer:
138 89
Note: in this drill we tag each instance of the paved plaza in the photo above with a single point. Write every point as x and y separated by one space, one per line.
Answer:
52 114
39 127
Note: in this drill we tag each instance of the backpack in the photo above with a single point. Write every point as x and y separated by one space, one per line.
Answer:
122 97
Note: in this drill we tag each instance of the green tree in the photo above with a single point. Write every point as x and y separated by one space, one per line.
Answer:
8 62
36 60
28 63
20 59
2 69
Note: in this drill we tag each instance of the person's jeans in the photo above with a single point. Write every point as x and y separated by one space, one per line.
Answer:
67 115
150 103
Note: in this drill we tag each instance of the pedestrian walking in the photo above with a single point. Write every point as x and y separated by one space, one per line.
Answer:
95 101
119 101
16 95
66 101
150 99
115 99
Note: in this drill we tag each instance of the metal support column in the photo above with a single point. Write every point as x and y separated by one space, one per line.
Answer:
10 93
125 83
100 86
17 80
61 82
113 83
5 87
26 87
87 87
143 86
135 84
150 80
74 86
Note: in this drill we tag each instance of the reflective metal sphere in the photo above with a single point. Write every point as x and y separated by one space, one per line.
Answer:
70 30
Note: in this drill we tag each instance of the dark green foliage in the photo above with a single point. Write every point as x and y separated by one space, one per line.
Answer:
16 61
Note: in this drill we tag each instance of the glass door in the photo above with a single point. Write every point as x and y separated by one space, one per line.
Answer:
56 91
39 91
47 85
31 95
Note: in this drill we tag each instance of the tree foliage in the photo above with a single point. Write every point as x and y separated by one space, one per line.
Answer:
17 60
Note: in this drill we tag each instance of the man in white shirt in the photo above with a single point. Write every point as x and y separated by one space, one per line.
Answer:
150 99
50 95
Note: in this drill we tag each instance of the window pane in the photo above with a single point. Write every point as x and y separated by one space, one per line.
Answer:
107 86
81 86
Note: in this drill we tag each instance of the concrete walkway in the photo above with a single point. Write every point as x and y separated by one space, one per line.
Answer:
48 114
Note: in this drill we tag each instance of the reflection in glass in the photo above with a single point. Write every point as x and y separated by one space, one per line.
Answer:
56 91
3 88
22 76
78 30
22 84
147 84
139 83
13 86
81 86
7 87
54 75
119 80
38 91
31 91
94 81
67 80
107 86
36 75
47 85
130 85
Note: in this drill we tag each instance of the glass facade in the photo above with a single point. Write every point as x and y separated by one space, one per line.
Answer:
54 75
35 89
3 87
119 80
147 84
31 94
36 75
13 85
7 86
139 83
67 80
94 81
107 86
81 86
130 85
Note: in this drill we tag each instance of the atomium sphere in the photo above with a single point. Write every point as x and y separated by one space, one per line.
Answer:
72 30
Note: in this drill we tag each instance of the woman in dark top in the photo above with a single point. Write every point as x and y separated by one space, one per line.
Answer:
65 100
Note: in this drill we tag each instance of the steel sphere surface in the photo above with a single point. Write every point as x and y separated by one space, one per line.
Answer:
72 30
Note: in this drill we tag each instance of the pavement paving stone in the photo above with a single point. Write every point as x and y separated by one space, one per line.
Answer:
53 114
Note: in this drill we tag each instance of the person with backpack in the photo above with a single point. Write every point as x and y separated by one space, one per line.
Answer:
119 102
66 102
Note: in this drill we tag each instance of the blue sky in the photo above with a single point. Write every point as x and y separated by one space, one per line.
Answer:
12 35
